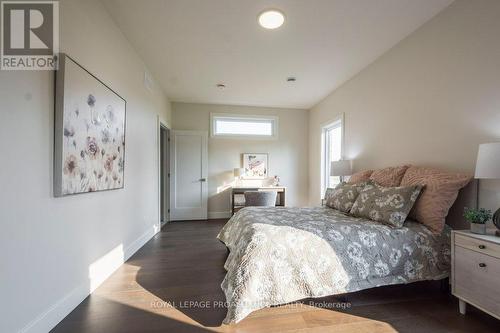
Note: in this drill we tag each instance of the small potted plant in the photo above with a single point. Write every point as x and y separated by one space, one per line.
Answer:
477 219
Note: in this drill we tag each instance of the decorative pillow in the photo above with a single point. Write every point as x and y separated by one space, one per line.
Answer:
389 205
359 177
343 196
389 177
440 192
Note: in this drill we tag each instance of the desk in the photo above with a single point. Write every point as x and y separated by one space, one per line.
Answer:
238 204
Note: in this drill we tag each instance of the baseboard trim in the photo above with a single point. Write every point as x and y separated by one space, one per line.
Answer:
219 215
139 242
48 319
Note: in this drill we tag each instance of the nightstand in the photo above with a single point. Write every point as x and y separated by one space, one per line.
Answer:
475 274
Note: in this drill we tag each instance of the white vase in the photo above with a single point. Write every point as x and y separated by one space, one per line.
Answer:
478 228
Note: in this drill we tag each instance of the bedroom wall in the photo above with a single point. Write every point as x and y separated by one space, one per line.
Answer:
54 250
431 100
287 154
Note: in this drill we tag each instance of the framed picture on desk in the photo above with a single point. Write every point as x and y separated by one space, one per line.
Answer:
256 165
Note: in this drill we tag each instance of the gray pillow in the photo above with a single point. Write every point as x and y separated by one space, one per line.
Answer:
343 196
389 205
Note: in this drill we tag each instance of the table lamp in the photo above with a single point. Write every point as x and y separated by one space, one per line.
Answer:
341 168
239 173
488 167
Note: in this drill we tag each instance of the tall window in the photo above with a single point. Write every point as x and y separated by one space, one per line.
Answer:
244 126
331 150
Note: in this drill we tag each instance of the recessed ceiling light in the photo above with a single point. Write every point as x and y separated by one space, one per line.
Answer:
271 19
291 79
221 86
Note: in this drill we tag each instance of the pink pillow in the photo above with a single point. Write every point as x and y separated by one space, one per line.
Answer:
359 177
389 177
439 193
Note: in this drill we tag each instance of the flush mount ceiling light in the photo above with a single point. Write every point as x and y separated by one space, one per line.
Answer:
271 19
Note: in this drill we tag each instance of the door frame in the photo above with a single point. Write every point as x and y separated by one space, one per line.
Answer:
204 172
162 125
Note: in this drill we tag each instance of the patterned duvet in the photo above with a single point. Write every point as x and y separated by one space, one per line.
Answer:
279 255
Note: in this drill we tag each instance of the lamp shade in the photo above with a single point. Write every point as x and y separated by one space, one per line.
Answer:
341 168
488 161
238 172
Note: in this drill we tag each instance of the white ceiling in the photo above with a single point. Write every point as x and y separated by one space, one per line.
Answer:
191 45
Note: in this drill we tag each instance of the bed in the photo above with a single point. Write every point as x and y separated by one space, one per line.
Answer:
279 255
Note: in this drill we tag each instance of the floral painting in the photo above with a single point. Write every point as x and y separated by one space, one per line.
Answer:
89 132
256 165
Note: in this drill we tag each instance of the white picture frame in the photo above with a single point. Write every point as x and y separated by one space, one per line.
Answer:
256 165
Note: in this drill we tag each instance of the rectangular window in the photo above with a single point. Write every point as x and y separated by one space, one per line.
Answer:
244 126
331 150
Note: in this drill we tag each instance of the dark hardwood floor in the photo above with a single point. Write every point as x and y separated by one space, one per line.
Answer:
184 263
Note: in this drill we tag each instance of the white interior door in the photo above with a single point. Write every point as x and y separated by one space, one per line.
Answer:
188 168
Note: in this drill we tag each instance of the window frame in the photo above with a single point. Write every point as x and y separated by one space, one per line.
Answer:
336 122
274 120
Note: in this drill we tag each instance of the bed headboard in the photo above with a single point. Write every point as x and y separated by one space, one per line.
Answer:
467 197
